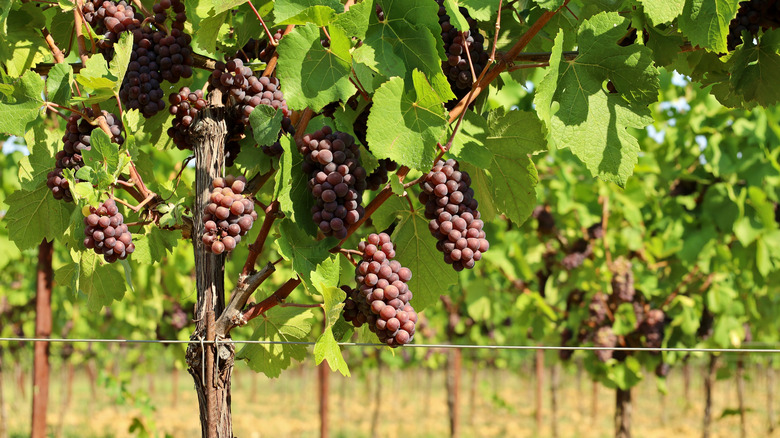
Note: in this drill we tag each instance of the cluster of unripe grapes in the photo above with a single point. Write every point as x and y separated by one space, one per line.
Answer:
228 216
456 67
337 181
159 54
77 139
454 218
106 233
752 16
382 296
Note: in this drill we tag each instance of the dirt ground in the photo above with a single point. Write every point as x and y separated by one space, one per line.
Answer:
412 404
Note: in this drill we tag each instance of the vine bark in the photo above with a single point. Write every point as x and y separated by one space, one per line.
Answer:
40 392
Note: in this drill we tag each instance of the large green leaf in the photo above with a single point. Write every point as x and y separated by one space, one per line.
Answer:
584 116
303 250
16 117
319 12
280 324
756 69
292 188
662 11
34 215
706 22
99 281
314 76
405 125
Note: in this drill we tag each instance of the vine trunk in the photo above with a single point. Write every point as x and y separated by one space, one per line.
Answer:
40 392
622 413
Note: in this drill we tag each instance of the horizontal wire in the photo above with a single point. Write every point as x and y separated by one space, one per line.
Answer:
443 346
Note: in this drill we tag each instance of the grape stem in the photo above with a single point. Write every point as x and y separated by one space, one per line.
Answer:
141 6
256 248
520 67
257 182
685 282
305 306
55 111
138 207
269 68
84 116
271 40
492 58
275 298
58 56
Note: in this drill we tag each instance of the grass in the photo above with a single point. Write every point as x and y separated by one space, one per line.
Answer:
494 403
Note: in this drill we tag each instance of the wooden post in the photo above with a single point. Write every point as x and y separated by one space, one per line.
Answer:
40 392
770 395
741 394
709 383
453 387
323 375
622 413
554 381
539 388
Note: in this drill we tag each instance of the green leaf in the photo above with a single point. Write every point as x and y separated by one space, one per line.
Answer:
626 374
512 137
328 349
34 168
15 118
21 45
292 188
99 281
625 319
354 22
486 10
104 154
35 215
456 18
304 251
122 51
314 76
155 245
756 69
266 122
319 12
417 251
405 125
706 22
58 84
584 116
662 11
280 324
407 40
208 31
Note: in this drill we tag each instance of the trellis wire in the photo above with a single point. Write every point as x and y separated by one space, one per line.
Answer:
362 344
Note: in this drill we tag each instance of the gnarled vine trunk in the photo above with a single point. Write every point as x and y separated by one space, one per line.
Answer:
211 369
622 413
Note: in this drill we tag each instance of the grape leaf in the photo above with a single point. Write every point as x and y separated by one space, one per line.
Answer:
279 324
328 349
706 22
305 252
756 69
208 31
456 18
584 116
153 246
15 118
99 281
408 39
662 11
34 168
482 184
405 125
388 212
485 10
265 122
354 22
34 215
292 188
103 154
319 12
314 76
21 45
333 303
122 51
417 251
512 137
58 84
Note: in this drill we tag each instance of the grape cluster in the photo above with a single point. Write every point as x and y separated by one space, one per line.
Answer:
456 67
184 106
156 56
581 250
382 297
228 216
605 337
331 159
259 49
106 234
622 281
544 219
652 328
451 207
597 310
242 91
752 16
77 139
110 19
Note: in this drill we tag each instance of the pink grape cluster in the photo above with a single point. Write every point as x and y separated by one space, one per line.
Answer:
382 296
106 233
229 215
